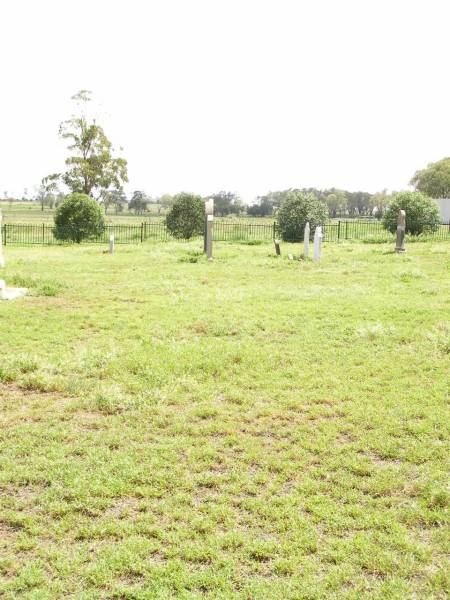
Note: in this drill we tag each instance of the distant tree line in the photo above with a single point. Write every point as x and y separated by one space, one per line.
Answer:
340 203
92 169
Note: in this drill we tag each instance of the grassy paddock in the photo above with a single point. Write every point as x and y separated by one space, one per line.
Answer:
30 212
249 429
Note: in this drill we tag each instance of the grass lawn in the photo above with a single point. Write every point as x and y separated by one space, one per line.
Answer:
252 428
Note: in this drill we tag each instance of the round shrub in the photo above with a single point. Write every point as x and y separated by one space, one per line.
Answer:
422 213
77 218
186 218
297 209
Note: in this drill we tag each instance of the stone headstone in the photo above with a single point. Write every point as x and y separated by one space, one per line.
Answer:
401 229
290 257
317 243
306 241
277 247
111 243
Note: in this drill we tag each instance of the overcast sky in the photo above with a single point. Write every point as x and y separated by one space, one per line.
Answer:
241 95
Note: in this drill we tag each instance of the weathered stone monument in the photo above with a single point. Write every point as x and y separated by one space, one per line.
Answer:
111 243
401 229
318 235
208 236
290 257
306 241
277 247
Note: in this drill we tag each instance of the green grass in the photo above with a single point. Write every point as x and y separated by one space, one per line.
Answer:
31 213
252 428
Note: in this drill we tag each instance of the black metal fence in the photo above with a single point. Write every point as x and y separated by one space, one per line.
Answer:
23 234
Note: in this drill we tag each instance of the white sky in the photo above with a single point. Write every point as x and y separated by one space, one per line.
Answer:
241 95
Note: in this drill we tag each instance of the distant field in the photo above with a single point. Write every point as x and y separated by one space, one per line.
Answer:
249 429
30 212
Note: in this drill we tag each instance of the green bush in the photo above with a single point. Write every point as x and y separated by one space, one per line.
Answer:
297 209
422 213
186 218
78 217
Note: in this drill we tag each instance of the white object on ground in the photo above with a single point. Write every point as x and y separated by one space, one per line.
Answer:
11 293
111 243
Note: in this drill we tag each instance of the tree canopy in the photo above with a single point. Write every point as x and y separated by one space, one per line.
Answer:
227 203
138 202
422 213
186 218
91 168
77 218
434 180
298 209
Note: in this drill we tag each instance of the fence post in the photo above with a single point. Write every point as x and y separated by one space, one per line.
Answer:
142 232
346 223
274 231
43 233
339 230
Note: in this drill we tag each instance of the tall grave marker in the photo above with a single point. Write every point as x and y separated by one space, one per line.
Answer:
2 258
318 235
401 229
209 215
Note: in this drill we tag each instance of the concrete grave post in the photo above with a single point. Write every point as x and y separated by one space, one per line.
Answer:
306 241
209 211
2 258
401 229
111 243
277 247
209 236
317 243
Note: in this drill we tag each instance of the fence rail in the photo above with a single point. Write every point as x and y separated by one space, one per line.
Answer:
24 234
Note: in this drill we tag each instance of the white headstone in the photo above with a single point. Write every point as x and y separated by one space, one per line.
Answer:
317 243
306 241
209 235
111 243
209 207
2 258
290 256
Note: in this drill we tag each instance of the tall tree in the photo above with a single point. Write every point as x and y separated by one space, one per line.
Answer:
337 203
46 189
91 168
227 203
434 180
138 202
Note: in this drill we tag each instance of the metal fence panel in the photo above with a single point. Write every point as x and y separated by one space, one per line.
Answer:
24 234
